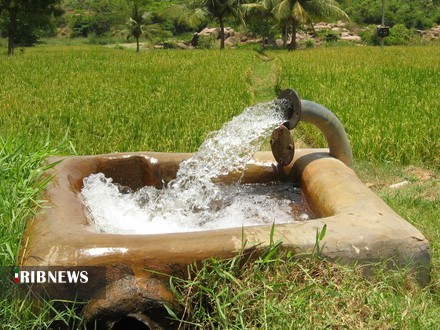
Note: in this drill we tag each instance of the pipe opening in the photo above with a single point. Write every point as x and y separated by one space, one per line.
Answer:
134 322
292 112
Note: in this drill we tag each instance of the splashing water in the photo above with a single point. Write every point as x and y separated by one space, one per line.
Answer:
193 201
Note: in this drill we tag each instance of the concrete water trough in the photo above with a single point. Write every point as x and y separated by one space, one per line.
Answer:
360 227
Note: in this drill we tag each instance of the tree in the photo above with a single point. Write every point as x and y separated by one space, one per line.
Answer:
259 19
97 17
11 8
198 11
26 16
138 25
420 14
296 12
135 24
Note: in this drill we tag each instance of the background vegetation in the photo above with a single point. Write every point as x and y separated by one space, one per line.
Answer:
106 19
419 14
90 99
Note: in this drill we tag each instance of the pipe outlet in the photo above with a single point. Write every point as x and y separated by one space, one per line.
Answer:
297 110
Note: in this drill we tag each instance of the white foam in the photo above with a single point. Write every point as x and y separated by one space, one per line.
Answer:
192 201
115 212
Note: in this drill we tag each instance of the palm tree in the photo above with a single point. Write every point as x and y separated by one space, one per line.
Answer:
259 12
137 25
199 11
295 12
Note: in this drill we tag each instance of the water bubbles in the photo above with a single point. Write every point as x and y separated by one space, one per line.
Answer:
194 201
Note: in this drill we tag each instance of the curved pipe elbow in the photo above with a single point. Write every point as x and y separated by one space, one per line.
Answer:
332 129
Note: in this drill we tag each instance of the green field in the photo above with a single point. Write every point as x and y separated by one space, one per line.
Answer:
112 100
90 100
387 99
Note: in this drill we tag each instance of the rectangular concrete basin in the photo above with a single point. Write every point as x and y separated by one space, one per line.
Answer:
360 226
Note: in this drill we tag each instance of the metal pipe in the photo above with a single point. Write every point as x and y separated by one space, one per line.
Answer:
331 127
292 110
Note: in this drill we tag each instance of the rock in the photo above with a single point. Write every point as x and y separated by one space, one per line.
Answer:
181 45
229 32
322 26
352 38
399 184
342 24
231 41
209 31
279 42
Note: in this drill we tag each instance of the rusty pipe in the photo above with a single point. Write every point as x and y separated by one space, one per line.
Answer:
292 108
298 110
331 127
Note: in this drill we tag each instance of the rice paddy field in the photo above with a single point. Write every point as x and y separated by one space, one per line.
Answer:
104 100
89 100
387 99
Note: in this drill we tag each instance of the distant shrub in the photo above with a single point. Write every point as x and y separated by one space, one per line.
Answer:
328 35
420 14
169 44
81 25
310 43
207 42
331 36
369 36
400 35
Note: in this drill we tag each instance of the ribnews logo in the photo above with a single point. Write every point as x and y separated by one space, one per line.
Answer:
53 282
50 276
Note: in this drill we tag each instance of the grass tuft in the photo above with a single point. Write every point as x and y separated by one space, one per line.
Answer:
22 177
284 292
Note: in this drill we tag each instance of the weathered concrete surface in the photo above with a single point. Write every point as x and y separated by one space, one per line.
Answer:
360 226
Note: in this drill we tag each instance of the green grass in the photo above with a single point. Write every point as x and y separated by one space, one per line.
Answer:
111 100
21 170
284 292
89 100
387 98
22 179
417 201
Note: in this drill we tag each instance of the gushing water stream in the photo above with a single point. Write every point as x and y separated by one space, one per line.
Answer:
194 201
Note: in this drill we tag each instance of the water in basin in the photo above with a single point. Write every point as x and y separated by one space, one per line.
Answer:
197 199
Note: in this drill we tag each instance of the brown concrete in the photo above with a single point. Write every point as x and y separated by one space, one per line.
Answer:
360 226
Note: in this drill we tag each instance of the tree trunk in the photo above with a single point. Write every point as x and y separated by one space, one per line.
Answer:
222 32
285 35
12 28
293 45
137 45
